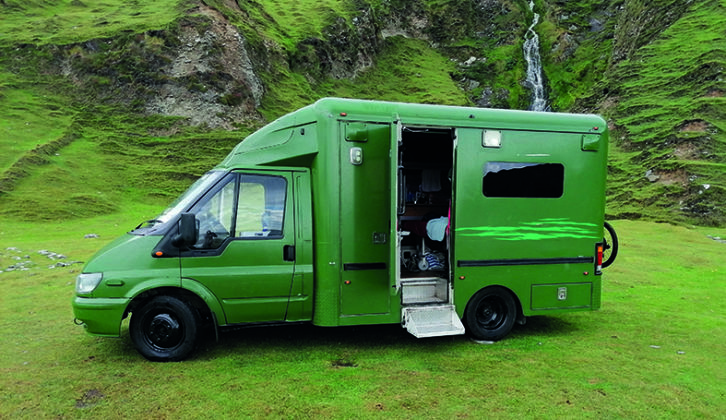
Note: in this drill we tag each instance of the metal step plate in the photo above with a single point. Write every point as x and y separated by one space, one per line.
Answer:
424 290
432 321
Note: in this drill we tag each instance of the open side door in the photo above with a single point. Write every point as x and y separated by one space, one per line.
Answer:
397 204
426 309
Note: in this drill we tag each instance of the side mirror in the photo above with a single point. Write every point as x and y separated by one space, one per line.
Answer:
187 235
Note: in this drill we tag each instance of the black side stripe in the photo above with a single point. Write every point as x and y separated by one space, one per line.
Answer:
524 261
364 266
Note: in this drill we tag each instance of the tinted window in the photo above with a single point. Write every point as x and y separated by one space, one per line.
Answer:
524 180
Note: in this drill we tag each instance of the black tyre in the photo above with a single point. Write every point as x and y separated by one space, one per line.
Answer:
165 329
610 249
490 314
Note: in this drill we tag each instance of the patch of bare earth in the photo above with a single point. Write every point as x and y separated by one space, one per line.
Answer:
90 398
679 177
697 126
686 150
609 103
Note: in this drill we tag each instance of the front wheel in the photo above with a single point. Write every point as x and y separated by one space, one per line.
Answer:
165 329
490 314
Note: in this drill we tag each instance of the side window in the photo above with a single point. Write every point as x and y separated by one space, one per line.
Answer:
261 206
215 218
523 180
248 206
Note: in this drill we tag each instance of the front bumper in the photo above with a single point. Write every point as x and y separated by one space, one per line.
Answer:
100 316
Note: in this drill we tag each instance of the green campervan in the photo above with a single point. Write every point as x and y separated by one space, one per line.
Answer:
348 212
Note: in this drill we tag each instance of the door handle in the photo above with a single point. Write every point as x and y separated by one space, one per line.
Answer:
288 253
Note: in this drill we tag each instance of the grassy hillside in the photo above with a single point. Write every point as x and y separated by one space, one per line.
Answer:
654 70
650 352
68 157
31 115
61 22
671 120
90 91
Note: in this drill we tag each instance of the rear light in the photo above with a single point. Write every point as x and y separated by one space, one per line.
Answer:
599 248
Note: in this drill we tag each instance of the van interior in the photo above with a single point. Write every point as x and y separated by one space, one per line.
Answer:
425 174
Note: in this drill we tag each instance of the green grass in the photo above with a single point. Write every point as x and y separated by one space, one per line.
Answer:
37 123
664 290
32 116
290 91
116 162
305 18
407 70
60 22
575 78
286 23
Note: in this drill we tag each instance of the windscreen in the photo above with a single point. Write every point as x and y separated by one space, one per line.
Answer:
190 196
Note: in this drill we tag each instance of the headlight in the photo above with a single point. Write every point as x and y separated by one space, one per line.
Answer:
87 282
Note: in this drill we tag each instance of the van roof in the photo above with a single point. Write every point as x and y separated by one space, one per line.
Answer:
276 134
457 116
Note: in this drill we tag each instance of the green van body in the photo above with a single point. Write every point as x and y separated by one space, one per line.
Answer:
523 194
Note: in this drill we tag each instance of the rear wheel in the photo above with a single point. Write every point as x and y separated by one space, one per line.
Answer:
610 248
490 314
165 329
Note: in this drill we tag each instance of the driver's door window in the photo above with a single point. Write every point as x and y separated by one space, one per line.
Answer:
215 218
259 201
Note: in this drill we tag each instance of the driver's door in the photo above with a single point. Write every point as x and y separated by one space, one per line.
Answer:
245 253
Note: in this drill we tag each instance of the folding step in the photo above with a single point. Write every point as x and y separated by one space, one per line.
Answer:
420 290
432 321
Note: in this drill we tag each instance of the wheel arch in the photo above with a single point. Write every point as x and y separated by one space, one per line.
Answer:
519 311
208 306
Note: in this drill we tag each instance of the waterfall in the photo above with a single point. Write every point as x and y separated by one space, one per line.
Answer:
534 65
